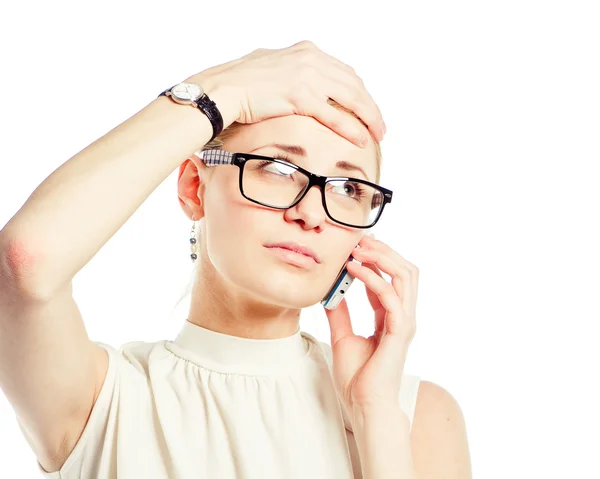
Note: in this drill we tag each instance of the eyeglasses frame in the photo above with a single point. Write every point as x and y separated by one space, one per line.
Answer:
216 156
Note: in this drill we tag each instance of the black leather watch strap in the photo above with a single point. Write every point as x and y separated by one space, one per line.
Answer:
209 108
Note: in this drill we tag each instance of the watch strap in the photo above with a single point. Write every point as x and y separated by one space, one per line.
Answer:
209 108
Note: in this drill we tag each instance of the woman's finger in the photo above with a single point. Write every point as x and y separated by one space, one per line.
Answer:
406 283
348 89
388 266
340 324
309 103
384 291
358 100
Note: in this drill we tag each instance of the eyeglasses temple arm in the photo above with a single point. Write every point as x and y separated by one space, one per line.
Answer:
215 157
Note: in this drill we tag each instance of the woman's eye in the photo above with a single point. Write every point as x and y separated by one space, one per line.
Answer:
350 189
281 169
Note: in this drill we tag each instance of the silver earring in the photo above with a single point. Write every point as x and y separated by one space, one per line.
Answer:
193 241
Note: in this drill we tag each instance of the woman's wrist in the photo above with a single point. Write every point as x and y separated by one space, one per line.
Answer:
188 124
224 96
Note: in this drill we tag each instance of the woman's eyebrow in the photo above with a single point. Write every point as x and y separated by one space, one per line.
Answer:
293 149
301 151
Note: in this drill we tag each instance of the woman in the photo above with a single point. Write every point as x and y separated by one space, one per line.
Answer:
241 392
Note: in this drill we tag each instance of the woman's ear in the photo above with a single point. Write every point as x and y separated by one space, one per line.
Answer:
190 188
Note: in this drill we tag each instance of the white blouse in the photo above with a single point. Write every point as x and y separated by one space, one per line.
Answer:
211 405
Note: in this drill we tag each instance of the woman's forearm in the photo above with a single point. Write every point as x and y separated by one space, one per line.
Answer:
382 437
83 203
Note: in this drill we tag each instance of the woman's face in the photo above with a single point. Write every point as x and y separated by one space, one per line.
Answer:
235 230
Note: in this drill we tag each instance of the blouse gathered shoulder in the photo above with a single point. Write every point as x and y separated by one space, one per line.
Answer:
211 405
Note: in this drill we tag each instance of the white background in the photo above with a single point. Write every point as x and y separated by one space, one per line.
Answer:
493 148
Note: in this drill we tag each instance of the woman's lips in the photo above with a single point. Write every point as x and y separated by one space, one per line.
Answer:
292 257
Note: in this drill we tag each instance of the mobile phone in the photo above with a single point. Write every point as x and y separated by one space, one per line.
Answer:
340 287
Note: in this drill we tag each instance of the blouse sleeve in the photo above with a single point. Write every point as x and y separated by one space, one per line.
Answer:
82 462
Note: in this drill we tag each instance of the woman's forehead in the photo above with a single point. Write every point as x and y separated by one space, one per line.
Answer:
318 141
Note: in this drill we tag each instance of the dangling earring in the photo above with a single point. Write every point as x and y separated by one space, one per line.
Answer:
193 241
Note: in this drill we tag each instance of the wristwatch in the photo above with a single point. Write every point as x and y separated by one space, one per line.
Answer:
186 93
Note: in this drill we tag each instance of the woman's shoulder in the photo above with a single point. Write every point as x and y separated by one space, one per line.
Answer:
135 356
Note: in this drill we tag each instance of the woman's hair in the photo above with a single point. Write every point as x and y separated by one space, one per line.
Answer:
231 130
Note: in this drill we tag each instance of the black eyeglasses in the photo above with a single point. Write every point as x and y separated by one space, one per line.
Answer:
278 184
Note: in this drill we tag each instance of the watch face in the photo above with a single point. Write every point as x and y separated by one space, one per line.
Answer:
186 91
